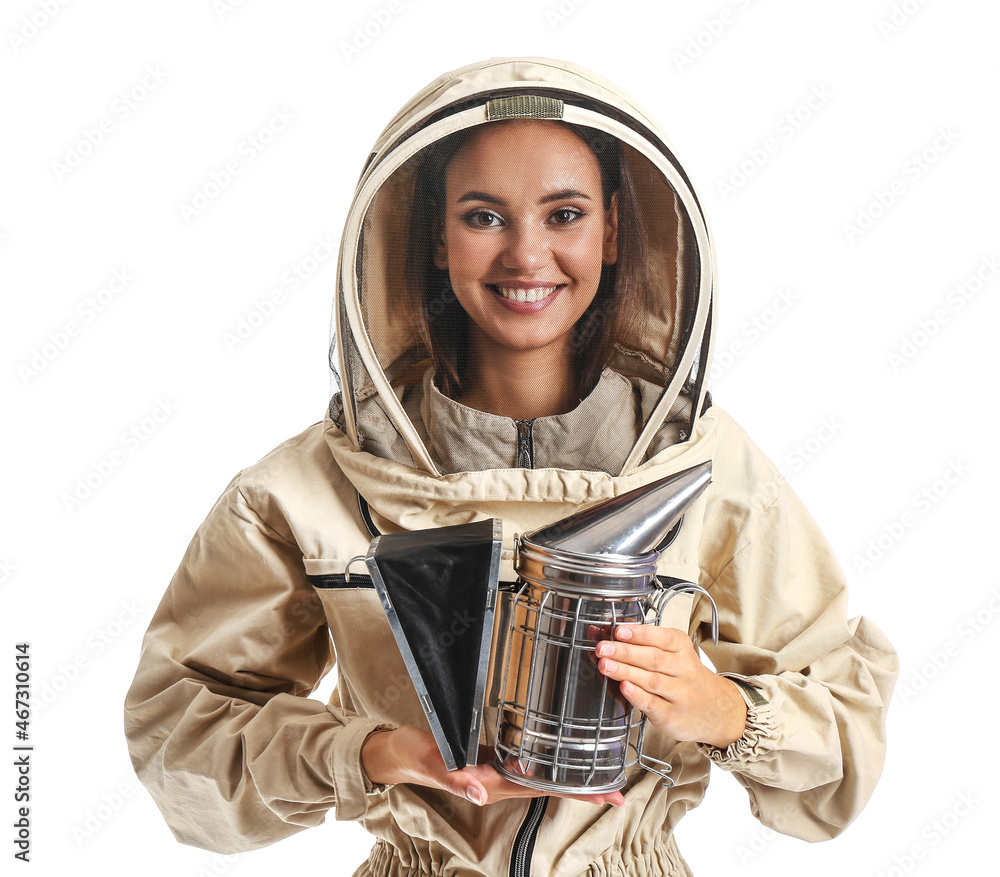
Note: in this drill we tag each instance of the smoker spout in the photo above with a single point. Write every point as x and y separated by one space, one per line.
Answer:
632 524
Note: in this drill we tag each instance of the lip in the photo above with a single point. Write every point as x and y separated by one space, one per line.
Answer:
525 284
526 307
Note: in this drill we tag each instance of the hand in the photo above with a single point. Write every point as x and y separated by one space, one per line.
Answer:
660 673
409 755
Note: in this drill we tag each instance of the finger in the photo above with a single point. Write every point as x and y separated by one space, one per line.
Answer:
648 658
669 639
465 783
597 632
652 705
627 674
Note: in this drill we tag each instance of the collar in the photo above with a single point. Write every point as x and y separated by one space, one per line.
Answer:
597 435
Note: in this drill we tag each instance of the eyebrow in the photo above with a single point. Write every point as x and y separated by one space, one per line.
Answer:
561 195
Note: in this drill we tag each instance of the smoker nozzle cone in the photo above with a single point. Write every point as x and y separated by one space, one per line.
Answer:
632 524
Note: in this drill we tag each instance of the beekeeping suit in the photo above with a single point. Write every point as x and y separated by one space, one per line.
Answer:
219 720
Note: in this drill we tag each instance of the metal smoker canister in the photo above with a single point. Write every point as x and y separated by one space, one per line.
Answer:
563 725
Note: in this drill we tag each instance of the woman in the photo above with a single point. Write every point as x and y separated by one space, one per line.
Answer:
521 332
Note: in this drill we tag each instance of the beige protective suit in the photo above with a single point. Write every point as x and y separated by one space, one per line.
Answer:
219 721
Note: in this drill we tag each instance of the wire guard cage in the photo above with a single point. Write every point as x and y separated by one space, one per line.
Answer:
564 726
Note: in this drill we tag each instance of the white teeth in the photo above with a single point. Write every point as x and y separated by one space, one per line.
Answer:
535 294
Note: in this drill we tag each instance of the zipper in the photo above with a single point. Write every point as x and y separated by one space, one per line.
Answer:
525 444
339 580
366 516
527 834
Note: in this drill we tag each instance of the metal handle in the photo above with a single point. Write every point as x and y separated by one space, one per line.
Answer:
659 601
662 596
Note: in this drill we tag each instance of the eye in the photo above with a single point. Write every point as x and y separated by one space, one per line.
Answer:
566 215
482 218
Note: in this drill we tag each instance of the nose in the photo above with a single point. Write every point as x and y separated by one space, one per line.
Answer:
526 249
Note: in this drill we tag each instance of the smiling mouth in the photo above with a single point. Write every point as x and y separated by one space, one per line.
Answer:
531 294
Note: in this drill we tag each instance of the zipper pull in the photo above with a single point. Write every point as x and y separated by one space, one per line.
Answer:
525 444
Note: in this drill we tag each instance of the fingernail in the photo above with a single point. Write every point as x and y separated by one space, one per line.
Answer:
609 666
474 795
624 632
605 648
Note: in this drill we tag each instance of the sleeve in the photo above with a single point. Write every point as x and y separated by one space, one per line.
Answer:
816 685
218 724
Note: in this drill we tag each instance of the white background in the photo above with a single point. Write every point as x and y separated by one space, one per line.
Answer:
891 446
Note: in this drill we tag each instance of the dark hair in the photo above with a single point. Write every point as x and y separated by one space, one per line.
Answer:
444 324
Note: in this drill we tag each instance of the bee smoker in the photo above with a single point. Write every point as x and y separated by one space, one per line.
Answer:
563 726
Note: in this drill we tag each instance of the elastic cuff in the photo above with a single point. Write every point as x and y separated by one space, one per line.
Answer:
758 734
370 787
349 779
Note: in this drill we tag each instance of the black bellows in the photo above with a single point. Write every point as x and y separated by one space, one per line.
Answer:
438 589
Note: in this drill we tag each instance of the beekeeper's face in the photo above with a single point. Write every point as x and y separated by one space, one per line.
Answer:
525 233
